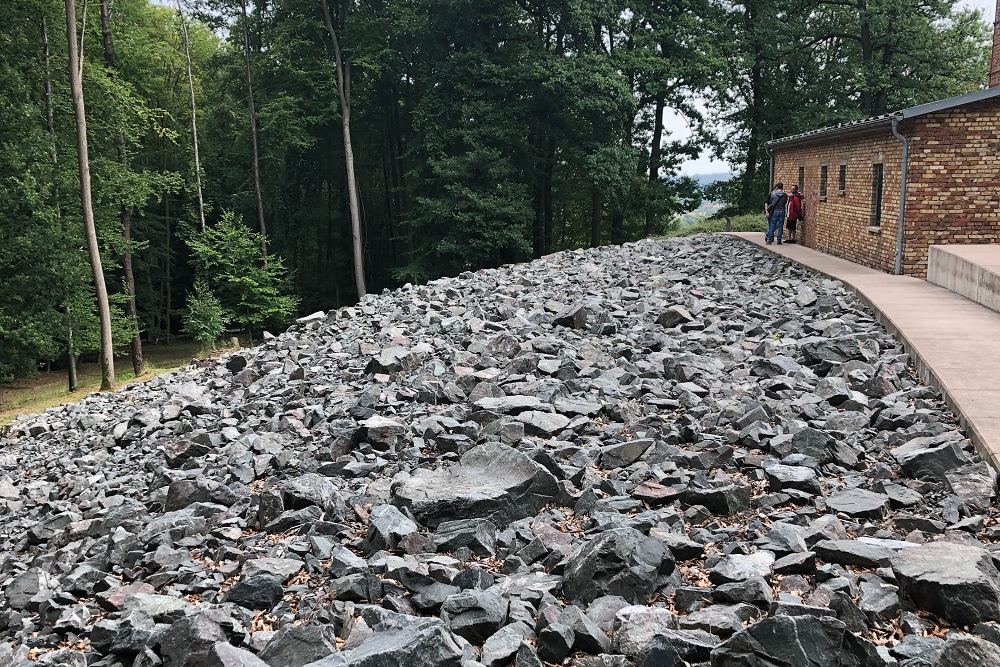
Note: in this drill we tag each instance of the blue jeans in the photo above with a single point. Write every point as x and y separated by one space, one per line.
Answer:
775 225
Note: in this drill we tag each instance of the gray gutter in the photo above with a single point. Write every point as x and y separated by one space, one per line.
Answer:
847 129
901 220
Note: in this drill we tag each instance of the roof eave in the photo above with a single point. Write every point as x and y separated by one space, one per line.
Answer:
879 122
831 133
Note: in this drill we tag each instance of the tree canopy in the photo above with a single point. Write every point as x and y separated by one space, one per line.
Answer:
484 132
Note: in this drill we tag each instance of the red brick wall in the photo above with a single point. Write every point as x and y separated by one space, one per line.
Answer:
839 225
953 187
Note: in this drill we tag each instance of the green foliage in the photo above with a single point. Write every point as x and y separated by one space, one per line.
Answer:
484 133
205 319
252 289
739 223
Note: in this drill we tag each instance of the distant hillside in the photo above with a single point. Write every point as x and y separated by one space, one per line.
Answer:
705 180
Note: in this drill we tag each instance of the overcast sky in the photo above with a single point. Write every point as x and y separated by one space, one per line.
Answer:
707 164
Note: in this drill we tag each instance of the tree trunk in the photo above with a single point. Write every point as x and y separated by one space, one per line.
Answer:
125 214
618 227
50 121
194 117
595 216
343 72
748 196
166 297
253 133
654 162
550 166
103 308
535 140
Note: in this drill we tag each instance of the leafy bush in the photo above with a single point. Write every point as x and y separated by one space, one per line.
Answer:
753 222
205 318
253 290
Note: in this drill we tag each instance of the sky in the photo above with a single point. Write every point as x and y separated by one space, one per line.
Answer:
707 164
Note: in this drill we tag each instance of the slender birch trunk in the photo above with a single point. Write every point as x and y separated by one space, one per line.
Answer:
103 308
71 378
253 133
344 93
194 116
125 214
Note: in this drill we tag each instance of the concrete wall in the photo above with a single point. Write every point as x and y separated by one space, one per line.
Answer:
970 270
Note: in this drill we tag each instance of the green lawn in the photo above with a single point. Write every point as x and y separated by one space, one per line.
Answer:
49 389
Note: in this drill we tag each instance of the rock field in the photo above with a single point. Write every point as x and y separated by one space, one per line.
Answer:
686 452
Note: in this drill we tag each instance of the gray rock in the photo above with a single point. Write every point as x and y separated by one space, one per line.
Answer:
475 615
260 591
387 527
500 649
796 640
636 626
921 459
975 484
792 477
739 567
417 645
853 552
958 582
300 645
624 454
963 650
479 535
621 561
491 481
859 503
191 642
725 500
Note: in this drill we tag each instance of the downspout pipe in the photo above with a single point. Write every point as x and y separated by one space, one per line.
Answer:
900 231
770 157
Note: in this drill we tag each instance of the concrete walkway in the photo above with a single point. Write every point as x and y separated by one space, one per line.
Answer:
954 342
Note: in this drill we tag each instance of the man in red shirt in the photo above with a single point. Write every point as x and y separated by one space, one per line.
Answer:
795 212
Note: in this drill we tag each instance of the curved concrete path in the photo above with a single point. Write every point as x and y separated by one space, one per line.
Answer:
954 342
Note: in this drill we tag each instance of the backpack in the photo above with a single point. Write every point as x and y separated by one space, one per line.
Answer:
778 205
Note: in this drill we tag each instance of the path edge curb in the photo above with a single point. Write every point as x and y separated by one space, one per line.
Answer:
924 370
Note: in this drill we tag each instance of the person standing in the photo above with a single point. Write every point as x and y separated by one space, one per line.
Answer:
794 214
774 210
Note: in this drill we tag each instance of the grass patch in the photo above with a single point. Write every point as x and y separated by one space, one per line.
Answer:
754 222
50 389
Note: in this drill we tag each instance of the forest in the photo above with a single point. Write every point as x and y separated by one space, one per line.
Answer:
193 168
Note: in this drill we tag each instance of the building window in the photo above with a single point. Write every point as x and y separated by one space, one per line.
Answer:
802 178
877 182
842 179
823 171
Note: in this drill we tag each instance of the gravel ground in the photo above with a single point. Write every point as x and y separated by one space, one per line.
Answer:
684 452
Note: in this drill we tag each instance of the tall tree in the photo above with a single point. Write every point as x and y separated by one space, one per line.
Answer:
125 213
194 115
75 66
343 74
248 68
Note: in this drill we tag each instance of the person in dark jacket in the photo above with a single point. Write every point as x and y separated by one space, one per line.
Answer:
774 209
794 214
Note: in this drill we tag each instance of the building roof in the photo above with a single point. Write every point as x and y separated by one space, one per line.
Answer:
885 120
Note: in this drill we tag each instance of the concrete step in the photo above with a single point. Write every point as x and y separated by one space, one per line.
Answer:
970 270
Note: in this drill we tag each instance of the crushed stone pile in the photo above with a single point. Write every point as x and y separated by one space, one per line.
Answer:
685 452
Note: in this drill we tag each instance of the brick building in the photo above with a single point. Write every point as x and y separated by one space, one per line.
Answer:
941 159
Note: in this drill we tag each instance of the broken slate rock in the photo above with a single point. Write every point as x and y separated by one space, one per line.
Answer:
491 481
958 582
